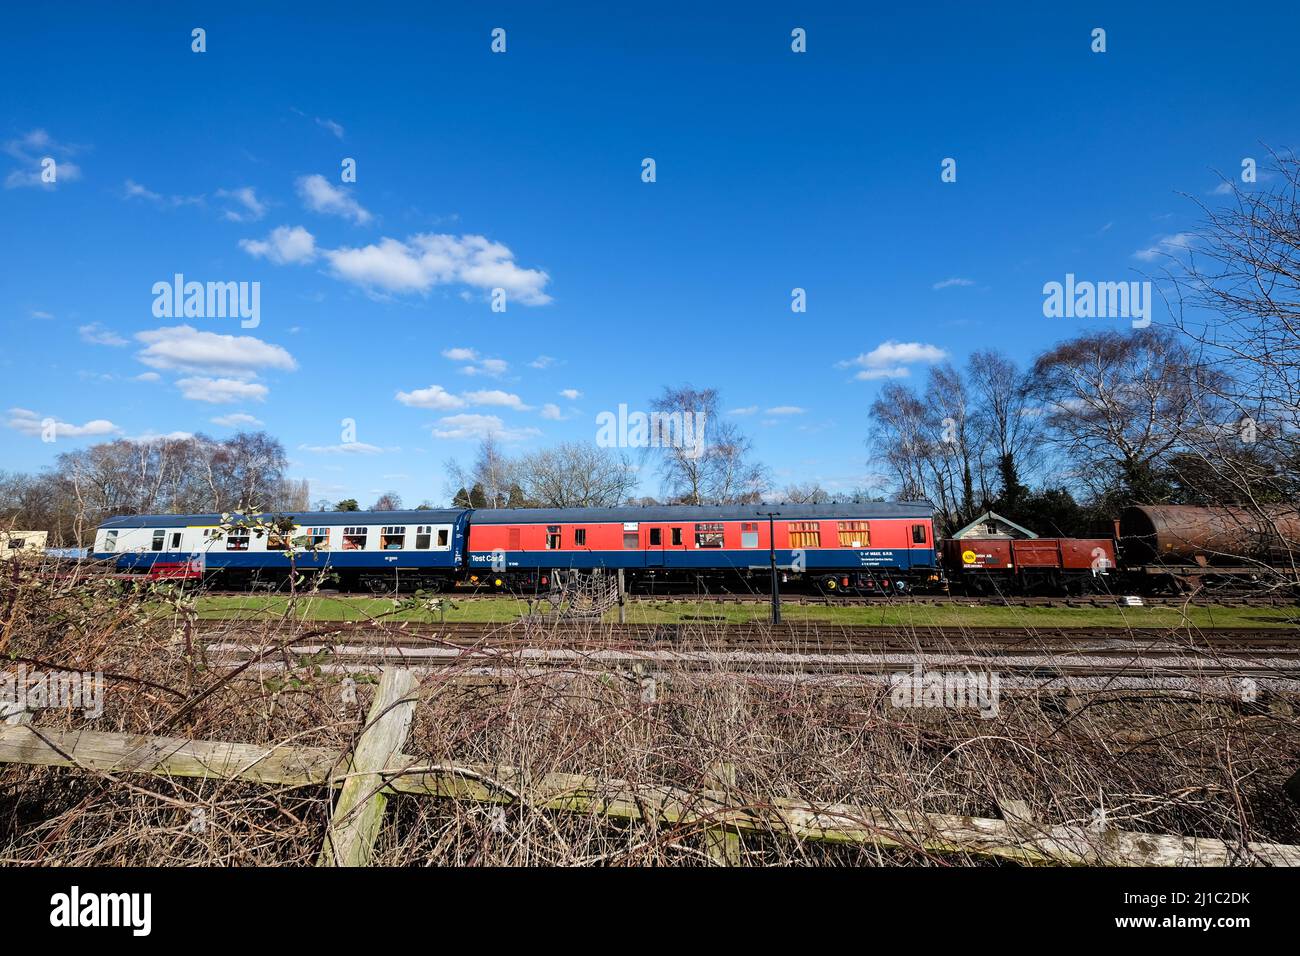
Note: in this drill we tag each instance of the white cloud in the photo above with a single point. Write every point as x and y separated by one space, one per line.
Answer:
330 125
285 244
572 394
221 391
946 283
320 195
30 423
435 396
345 448
492 367
460 355
252 209
552 412
38 314
148 377
542 361
96 334
185 348
747 410
427 260
148 437
236 420
1165 246
785 410
133 190
497 397
479 426
890 359
30 150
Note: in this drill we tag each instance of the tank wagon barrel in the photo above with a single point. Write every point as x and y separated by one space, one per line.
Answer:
1188 534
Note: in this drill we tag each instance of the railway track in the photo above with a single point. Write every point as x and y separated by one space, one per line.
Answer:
847 600
1155 653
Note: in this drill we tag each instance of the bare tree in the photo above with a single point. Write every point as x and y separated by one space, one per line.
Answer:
702 460
1005 420
1121 404
575 475
388 501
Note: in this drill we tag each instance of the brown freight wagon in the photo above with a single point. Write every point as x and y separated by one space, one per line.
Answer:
1033 565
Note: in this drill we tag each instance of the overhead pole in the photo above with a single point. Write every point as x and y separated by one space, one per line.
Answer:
771 550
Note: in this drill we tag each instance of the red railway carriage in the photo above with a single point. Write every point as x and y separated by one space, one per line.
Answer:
884 545
1010 565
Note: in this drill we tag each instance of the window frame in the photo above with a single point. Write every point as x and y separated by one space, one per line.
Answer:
110 541
389 532
710 535
423 537
579 537
159 539
355 531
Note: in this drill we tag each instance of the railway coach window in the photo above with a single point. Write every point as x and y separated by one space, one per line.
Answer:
579 537
805 534
354 539
677 536
708 536
854 534
392 539
656 537
749 534
423 536
443 534
158 538
318 537
918 534
110 540
237 540
552 537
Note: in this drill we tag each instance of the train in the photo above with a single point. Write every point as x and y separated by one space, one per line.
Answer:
881 548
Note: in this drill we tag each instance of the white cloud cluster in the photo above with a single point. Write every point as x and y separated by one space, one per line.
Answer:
320 195
221 391
248 207
30 423
133 190
428 259
1165 246
285 245
437 397
96 334
185 348
891 360
948 283
344 448
30 150
479 426
236 420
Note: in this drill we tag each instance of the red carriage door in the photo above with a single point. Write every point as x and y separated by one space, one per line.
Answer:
654 550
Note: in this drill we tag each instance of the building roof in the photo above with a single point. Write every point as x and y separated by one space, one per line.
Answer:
971 530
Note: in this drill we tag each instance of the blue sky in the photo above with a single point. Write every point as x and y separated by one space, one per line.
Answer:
522 170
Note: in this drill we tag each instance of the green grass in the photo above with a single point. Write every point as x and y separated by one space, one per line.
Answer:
501 609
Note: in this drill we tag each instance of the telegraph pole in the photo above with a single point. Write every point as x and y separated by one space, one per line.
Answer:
771 549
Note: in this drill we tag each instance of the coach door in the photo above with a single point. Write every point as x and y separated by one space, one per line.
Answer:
654 548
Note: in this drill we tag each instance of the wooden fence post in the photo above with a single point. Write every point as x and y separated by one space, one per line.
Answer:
721 844
360 808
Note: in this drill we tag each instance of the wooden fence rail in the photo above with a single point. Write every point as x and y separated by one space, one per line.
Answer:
377 769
